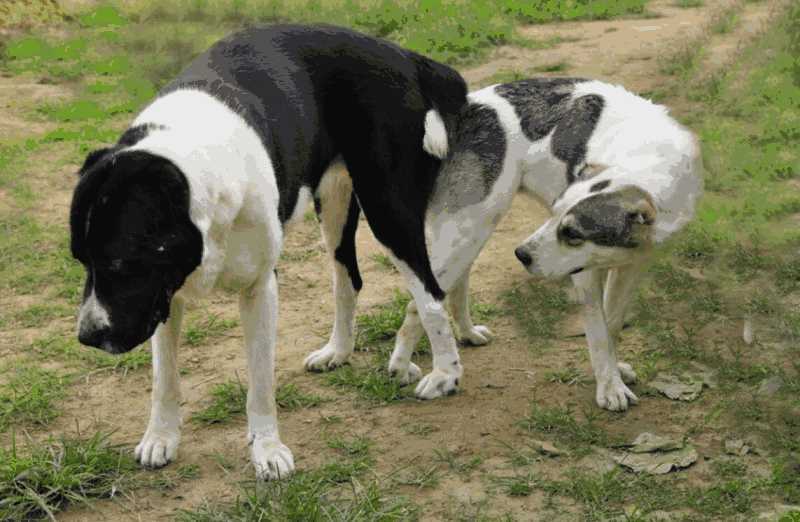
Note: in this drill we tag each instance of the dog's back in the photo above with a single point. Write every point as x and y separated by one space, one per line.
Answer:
330 91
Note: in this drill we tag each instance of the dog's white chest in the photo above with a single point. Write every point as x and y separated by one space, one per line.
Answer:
245 256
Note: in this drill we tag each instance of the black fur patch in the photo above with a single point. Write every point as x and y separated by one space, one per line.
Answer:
545 104
346 251
600 185
316 92
134 135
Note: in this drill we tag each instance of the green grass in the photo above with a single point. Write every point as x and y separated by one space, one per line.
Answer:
569 376
355 447
172 478
29 396
689 3
383 261
542 11
202 331
537 307
418 476
39 315
381 324
725 22
461 465
551 67
44 479
229 401
521 485
308 497
64 346
560 424
335 491
289 397
371 384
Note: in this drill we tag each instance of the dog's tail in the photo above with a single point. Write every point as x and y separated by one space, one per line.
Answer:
445 92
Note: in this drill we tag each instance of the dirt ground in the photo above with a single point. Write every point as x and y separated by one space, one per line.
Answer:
500 379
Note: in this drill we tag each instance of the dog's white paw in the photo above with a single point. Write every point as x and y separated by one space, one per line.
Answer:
271 458
627 373
614 395
404 374
439 383
479 335
157 448
326 358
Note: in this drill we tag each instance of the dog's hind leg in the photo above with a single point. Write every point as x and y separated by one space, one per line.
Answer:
338 211
620 286
258 307
447 369
612 393
409 334
458 304
159 445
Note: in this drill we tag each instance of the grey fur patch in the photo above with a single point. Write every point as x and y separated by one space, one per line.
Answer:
540 103
475 162
545 104
605 220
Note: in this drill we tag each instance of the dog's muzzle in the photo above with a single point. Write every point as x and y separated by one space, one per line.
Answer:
523 256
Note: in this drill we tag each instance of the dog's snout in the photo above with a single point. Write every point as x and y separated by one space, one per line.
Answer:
523 255
95 337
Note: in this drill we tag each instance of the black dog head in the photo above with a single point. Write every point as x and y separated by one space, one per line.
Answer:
131 230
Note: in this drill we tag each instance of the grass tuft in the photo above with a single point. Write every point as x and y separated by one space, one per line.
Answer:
42 481
560 424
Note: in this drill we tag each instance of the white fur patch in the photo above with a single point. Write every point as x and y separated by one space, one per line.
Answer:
93 315
435 140
303 199
234 193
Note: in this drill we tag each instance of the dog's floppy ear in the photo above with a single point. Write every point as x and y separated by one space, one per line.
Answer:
639 204
93 157
590 170
612 218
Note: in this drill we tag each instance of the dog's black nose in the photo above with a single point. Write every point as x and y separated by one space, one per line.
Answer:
524 257
92 337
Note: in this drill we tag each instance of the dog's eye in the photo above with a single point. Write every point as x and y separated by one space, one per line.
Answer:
571 235
115 266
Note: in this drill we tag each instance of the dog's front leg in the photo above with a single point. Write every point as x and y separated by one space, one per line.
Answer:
159 445
409 334
612 393
259 310
620 286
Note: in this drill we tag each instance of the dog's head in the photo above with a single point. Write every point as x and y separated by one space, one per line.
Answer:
595 224
131 230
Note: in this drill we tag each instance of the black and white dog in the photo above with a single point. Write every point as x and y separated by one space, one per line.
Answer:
200 189
620 176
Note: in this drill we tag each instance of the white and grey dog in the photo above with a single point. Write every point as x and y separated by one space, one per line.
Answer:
619 174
